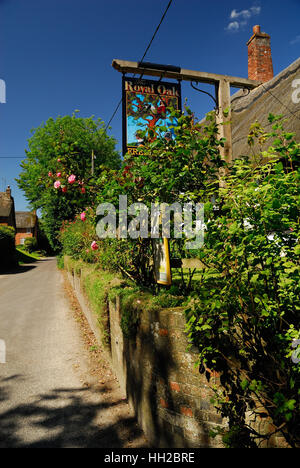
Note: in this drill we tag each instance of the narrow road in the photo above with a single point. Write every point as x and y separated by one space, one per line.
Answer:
48 395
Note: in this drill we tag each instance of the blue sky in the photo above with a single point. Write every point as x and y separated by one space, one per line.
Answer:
55 56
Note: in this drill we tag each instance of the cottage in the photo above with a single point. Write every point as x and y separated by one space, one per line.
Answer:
26 226
7 209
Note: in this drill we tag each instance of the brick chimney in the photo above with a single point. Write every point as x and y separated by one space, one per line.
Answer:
260 66
8 191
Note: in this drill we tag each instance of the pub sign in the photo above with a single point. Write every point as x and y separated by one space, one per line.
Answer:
145 105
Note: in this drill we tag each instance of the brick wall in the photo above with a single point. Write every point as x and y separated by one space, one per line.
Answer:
171 399
169 396
22 234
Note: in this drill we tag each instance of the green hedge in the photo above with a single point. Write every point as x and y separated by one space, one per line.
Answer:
31 244
7 247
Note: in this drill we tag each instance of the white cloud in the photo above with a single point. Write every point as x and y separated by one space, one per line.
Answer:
244 14
241 18
255 10
295 40
233 26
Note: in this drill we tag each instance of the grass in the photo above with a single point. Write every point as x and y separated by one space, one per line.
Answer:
101 286
96 285
176 274
24 257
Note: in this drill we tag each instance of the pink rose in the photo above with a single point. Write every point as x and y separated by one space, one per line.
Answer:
58 174
83 216
59 160
83 190
72 179
94 245
64 189
50 174
57 184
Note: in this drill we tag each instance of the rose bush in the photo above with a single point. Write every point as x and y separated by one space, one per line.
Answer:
60 152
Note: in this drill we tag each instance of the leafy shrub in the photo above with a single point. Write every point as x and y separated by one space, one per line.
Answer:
60 262
165 172
245 314
7 247
76 237
31 244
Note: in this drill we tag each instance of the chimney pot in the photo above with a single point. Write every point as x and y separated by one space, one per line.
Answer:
260 66
8 191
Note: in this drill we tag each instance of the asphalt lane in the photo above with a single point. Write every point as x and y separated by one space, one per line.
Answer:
47 398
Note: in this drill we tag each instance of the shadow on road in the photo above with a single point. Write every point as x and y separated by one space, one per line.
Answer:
17 270
25 266
68 418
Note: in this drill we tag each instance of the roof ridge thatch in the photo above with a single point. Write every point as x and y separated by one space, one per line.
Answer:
6 205
25 219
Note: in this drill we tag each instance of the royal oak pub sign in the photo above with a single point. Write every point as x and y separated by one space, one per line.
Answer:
146 104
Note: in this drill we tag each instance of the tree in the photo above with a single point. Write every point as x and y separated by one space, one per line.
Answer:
56 174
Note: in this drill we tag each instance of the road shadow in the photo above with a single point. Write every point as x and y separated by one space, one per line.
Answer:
26 263
16 270
46 259
67 417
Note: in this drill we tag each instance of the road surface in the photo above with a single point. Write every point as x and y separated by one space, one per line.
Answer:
48 395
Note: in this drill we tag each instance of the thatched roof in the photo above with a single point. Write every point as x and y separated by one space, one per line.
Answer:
25 220
6 205
274 97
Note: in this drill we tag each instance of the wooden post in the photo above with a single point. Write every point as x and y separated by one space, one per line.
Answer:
124 66
222 83
93 166
223 119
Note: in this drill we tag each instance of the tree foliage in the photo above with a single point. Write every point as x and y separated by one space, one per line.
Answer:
58 149
164 171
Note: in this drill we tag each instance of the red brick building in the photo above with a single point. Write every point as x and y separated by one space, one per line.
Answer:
27 226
